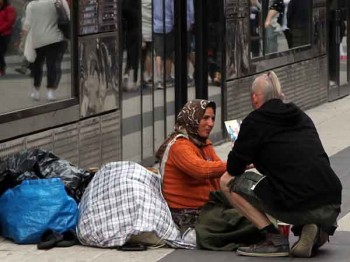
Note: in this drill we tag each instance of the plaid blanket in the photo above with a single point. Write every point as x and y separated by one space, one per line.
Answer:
124 199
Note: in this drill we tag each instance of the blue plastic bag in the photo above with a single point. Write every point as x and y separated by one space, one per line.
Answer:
35 206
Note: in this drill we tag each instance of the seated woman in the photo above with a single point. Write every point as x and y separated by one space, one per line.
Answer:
189 166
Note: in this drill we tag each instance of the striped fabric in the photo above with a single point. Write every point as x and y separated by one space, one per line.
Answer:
124 199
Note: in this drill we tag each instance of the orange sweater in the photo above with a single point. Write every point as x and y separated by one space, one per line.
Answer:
190 174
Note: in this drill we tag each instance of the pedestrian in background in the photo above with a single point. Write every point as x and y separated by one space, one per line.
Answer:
7 20
164 40
25 46
48 42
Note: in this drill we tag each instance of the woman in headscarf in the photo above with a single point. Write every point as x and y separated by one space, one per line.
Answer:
189 165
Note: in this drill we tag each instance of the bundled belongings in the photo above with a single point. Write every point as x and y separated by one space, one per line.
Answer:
34 207
124 200
39 164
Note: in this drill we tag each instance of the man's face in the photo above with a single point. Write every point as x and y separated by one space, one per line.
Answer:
256 100
207 123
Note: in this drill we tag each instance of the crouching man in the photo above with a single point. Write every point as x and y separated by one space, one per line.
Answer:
294 183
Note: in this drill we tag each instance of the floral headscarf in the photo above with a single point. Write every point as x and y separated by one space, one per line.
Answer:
187 123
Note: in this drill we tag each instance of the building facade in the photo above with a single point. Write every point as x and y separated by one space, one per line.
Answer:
130 65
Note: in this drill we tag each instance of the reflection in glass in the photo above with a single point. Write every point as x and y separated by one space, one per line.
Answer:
7 19
98 74
287 24
298 21
131 33
255 28
38 54
147 44
131 100
337 43
215 40
275 24
231 67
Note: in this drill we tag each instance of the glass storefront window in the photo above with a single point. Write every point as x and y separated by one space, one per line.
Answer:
279 25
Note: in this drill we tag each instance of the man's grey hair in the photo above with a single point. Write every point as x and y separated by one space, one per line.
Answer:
268 85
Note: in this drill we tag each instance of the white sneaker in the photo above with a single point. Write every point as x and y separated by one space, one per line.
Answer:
125 79
159 85
35 95
51 96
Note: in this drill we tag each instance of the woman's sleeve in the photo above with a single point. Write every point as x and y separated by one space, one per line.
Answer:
185 157
28 18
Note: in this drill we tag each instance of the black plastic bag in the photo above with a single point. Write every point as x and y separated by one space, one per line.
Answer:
38 164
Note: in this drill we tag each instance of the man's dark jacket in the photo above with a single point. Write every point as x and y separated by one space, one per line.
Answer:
283 143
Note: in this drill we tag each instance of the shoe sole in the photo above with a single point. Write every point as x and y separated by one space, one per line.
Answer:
279 254
308 237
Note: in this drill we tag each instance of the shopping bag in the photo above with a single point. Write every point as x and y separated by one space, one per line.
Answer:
35 206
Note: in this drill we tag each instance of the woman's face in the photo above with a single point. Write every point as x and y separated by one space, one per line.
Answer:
207 123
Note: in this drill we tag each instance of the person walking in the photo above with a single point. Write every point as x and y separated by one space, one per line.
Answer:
48 42
7 20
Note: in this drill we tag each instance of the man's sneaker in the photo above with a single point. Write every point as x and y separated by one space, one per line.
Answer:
274 245
35 95
308 238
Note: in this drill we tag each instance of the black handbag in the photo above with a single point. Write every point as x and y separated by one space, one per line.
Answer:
63 22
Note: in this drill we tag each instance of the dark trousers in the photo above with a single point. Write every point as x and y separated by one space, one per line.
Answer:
4 41
53 55
133 52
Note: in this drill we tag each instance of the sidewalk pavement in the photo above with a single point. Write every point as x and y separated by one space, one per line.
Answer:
333 124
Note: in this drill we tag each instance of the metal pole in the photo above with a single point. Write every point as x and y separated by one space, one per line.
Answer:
180 23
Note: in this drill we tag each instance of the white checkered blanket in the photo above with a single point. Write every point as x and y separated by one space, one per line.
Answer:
124 199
